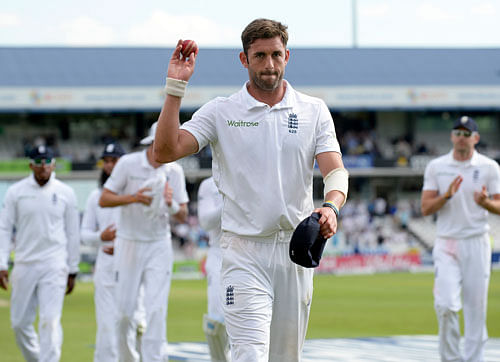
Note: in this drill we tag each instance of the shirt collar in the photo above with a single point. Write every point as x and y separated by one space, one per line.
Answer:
251 102
470 162
144 159
145 163
33 182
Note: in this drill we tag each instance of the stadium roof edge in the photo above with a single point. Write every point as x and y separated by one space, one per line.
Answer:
345 77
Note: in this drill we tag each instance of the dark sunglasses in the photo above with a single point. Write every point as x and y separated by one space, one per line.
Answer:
461 132
42 161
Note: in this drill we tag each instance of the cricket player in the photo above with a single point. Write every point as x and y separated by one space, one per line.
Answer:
148 193
461 187
44 213
264 139
209 215
99 229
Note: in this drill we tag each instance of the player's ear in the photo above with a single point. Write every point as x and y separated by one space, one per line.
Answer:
477 137
244 59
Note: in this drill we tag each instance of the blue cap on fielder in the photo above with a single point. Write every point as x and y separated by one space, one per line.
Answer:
467 123
41 152
307 244
112 149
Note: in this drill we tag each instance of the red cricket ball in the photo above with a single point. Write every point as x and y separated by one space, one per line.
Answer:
188 47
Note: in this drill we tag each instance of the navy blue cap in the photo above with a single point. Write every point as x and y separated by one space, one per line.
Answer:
307 243
41 152
467 123
112 149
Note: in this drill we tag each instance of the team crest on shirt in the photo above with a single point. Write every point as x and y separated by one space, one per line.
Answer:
475 175
54 199
293 123
230 295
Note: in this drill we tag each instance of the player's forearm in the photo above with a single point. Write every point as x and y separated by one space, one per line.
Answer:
492 205
165 146
109 199
433 205
336 197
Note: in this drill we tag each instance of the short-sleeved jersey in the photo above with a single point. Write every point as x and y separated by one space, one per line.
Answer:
210 210
263 157
46 221
129 175
461 217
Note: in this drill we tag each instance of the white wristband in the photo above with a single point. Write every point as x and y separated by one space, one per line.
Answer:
176 87
174 208
337 179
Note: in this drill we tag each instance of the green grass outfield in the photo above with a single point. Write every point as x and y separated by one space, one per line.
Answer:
343 306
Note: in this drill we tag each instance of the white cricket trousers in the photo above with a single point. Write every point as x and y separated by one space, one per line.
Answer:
39 285
214 289
106 349
148 264
462 274
105 309
267 298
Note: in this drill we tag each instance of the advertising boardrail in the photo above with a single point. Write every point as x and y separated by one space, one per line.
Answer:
360 263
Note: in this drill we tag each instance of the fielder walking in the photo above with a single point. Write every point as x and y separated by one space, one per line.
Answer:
209 216
264 139
148 193
99 229
44 213
461 187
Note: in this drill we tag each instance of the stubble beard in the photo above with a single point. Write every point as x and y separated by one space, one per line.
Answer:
267 85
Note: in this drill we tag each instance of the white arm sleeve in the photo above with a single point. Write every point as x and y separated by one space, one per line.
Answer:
7 222
71 219
90 233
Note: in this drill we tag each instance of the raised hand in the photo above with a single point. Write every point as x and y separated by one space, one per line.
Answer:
480 197
180 67
454 186
167 194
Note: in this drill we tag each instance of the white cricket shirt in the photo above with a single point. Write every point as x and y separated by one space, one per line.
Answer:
263 157
46 221
461 217
210 210
130 173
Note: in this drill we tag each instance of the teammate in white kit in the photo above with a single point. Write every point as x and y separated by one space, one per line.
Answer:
99 229
462 187
264 139
43 210
209 216
148 192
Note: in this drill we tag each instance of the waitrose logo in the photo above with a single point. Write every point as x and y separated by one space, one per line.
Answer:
242 124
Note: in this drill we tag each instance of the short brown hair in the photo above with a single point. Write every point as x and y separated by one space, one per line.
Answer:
263 29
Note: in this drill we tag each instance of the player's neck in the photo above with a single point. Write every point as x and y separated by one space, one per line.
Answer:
463 155
268 97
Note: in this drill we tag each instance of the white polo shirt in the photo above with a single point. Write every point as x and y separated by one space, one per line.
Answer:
210 210
129 175
263 157
461 217
46 220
